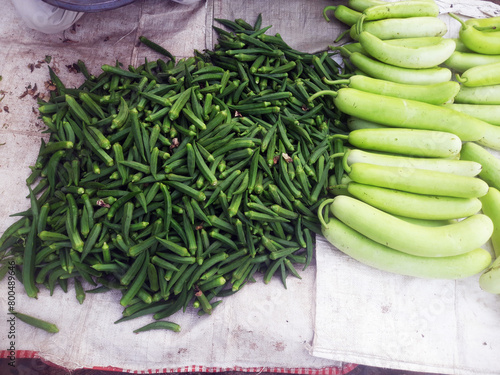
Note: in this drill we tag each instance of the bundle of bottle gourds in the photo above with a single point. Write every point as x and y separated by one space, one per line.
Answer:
420 194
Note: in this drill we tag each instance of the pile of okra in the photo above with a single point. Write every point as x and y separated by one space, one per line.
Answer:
178 181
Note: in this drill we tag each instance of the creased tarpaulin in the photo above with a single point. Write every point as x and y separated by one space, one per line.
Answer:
407 323
469 8
261 328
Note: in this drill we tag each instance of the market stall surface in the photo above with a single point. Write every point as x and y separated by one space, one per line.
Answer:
274 331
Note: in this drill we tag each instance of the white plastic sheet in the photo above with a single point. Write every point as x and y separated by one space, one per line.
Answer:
438 326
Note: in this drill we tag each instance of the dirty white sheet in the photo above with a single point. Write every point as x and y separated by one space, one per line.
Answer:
261 328
438 326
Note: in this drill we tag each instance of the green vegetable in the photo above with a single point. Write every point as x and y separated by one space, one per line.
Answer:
405 113
378 69
382 257
419 206
411 142
486 112
400 9
460 167
489 280
447 240
477 39
481 75
490 164
36 322
426 56
418 181
491 137
159 325
478 95
460 61
403 28
342 13
491 208
361 5
436 93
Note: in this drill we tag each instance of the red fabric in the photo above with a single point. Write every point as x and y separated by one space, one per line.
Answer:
187 369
